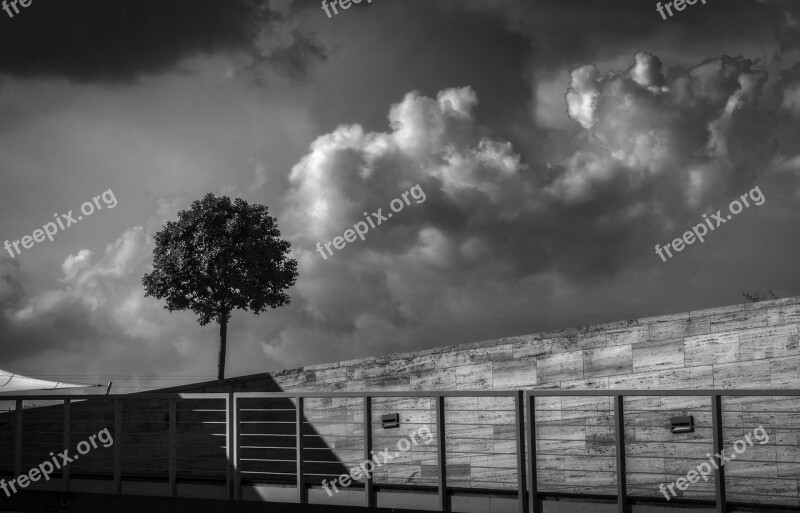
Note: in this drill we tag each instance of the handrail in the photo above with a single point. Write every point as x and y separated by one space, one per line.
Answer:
524 420
103 397
433 393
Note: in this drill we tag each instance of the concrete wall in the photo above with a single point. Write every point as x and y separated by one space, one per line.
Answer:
742 346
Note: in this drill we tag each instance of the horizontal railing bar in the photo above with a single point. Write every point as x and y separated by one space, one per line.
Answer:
263 473
276 409
665 393
534 393
205 410
358 395
430 394
100 397
272 422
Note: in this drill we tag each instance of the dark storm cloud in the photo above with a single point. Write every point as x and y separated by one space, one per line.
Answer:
568 32
121 39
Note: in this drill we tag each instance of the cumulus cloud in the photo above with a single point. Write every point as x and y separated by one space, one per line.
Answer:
93 289
487 215
74 264
656 149
97 322
469 179
692 128
653 149
583 94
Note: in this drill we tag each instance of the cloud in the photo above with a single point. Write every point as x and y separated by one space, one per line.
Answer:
499 235
655 149
488 222
74 264
788 89
11 279
469 179
582 95
95 40
97 322
642 125
787 23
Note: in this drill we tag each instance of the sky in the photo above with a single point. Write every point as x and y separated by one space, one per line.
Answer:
549 145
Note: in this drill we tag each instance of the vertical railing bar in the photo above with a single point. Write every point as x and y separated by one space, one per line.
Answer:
235 443
229 446
370 499
533 491
444 499
18 438
719 474
67 442
173 435
302 492
117 446
519 406
619 440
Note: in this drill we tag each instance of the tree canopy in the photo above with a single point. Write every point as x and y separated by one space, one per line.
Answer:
220 256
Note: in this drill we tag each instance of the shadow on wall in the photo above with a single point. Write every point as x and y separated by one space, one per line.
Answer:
267 450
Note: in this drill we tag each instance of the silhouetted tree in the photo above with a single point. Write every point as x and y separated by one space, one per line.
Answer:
220 256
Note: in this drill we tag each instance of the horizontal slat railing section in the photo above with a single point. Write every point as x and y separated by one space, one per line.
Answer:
109 440
528 446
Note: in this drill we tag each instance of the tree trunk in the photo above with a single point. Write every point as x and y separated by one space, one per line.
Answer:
223 336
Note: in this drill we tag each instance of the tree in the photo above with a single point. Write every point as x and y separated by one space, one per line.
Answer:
220 256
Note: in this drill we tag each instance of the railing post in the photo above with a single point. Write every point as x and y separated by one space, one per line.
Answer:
719 475
444 499
117 446
302 492
234 479
18 438
229 447
519 406
619 439
173 435
67 442
533 484
370 499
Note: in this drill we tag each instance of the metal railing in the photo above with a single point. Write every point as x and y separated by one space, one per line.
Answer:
80 410
179 418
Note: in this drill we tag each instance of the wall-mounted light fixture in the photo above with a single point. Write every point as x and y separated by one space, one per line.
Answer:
682 424
390 420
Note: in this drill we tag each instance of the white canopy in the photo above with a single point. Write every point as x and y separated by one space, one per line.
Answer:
10 382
